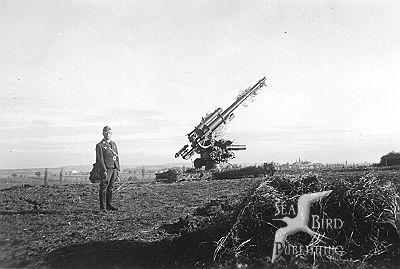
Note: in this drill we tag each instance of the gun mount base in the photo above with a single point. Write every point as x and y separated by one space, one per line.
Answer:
207 163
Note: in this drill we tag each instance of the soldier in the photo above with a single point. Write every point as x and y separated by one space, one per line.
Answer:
108 161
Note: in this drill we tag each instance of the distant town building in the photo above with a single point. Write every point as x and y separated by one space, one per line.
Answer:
392 158
300 165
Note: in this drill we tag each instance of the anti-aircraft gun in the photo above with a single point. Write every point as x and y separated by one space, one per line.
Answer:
204 138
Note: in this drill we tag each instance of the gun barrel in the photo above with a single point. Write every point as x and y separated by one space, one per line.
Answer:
243 97
236 147
221 117
202 127
209 118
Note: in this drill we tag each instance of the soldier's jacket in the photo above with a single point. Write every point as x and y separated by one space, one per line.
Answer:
105 157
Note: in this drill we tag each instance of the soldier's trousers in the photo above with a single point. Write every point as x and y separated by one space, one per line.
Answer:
106 187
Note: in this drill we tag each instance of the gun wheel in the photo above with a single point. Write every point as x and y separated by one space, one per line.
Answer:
216 154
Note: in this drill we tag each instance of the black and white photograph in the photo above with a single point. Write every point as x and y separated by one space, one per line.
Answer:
200 134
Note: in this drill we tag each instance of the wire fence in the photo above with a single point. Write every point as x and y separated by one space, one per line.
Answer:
10 181
37 181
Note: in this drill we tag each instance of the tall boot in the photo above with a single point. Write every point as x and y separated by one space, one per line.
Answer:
102 199
109 206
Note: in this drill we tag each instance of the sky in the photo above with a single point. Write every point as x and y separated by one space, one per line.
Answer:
151 69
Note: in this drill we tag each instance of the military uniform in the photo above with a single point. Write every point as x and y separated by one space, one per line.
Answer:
108 160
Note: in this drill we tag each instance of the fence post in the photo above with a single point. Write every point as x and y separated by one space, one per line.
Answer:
61 175
45 177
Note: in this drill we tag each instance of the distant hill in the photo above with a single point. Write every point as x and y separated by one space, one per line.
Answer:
87 168
83 168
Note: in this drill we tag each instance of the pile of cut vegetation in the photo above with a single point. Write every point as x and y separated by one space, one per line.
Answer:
172 175
367 225
266 169
175 175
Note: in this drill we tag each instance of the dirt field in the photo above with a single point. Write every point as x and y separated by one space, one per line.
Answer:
68 217
158 225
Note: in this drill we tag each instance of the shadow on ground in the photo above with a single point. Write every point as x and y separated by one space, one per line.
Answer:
192 242
186 250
